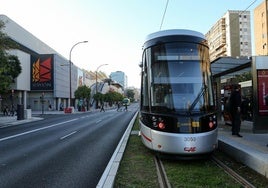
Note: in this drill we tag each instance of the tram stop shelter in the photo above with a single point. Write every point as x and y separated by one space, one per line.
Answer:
226 67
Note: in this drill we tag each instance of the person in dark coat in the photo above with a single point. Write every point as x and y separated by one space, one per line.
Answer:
235 110
102 107
118 106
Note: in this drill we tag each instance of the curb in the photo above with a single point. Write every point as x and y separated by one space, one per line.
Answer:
108 176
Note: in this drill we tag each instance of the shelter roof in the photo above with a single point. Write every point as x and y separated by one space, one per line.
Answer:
226 66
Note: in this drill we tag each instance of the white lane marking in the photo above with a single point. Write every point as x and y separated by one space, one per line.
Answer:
68 135
36 130
98 121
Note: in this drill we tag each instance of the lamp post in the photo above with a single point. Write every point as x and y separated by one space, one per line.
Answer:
70 69
97 76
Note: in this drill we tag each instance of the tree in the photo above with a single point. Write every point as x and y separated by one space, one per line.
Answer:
83 93
10 67
118 97
112 96
243 77
130 94
98 97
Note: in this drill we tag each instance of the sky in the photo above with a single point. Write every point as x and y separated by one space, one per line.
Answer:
115 29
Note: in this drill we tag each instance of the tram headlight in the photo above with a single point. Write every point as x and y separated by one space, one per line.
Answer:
212 121
154 121
158 122
210 124
161 125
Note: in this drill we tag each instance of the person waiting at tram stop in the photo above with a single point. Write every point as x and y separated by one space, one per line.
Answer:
235 110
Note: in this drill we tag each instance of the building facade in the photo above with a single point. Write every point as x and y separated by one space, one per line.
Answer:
230 35
45 81
261 29
120 77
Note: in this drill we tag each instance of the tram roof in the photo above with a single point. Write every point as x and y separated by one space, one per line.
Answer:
226 66
174 32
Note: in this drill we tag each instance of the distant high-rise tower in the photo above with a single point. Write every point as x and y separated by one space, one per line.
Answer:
230 36
260 29
120 77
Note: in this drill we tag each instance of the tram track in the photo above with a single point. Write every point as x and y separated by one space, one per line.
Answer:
150 169
161 173
164 182
232 173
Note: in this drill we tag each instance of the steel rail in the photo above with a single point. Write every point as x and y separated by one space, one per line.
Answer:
161 173
232 173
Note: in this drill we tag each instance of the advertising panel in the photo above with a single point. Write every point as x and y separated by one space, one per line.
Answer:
80 77
262 81
42 72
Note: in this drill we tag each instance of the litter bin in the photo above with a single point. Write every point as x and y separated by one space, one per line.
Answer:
20 112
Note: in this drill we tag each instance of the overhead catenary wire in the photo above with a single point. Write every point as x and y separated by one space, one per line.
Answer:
163 17
240 14
249 6
243 11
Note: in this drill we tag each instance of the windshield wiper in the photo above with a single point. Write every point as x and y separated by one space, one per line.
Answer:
200 94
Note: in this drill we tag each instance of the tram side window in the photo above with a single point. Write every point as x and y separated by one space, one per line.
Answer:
144 88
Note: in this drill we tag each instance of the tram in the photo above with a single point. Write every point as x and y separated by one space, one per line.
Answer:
177 107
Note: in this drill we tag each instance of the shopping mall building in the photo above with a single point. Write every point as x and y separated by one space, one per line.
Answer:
42 82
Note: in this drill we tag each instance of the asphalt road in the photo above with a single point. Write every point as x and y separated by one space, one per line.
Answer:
61 150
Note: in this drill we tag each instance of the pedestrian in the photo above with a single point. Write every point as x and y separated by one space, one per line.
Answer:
61 107
12 111
5 110
49 107
102 107
118 106
235 110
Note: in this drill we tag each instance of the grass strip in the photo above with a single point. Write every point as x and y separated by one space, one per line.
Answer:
197 173
137 168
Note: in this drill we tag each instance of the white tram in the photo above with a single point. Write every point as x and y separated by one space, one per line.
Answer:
177 110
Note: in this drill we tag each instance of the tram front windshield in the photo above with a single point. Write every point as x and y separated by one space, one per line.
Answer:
180 77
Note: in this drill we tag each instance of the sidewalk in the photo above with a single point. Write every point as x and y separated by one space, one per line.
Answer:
250 150
6 121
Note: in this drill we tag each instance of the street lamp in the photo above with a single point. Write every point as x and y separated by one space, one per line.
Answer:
70 69
97 76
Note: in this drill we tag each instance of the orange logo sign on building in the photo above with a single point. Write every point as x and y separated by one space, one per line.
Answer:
41 71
